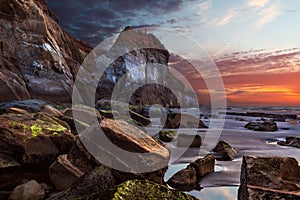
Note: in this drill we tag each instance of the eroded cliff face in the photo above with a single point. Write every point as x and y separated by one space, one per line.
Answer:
134 70
37 59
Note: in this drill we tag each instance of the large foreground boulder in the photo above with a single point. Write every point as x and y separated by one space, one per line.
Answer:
225 151
29 143
268 126
125 136
71 166
149 152
266 177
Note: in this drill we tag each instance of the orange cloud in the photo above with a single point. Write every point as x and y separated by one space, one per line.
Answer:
264 89
261 79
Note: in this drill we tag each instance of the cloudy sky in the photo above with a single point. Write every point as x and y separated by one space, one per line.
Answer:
255 43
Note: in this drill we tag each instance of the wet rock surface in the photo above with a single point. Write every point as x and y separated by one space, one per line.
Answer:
269 126
193 141
139 189
263 177
176 120
225 151
29 144
290 141
97 181
38 58
185 179
188 179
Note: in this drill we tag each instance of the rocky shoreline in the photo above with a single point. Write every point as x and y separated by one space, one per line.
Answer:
43 151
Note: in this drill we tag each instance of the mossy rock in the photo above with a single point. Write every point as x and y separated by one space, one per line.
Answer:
167 135
143 189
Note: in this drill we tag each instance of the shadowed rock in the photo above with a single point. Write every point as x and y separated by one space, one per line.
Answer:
188 179
226 151
193 141
176 120
204 165
142 189
29 143
140 118
167 135
97 181
290 141
185 179
268 126
266 177
125 136
38 58
28 191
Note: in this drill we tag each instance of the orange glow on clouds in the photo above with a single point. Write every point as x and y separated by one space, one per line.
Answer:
264 89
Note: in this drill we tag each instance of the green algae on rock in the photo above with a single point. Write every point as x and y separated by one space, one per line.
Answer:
142 189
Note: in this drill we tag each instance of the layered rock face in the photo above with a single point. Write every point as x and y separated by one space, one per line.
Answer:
40 60
37 58
269 178
134 68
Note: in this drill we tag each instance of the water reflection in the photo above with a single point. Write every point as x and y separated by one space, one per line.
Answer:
208 193
216 193
172 169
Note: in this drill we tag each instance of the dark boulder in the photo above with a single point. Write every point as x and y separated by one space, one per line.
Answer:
29 143
266 177
176 120
185 179
188 178
140 118
167 135
30 190
97 181
290 141
225 151
268 126
193 141
204 165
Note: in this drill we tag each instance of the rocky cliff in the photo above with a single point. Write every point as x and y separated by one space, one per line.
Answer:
38 59
136 71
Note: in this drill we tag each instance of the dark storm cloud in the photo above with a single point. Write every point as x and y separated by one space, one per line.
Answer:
93 20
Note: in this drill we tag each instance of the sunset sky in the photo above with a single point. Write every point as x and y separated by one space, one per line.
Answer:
254 43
